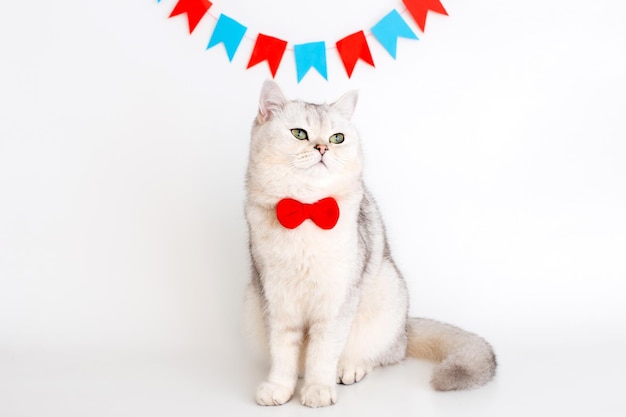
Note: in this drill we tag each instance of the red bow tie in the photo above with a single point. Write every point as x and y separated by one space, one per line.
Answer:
291 213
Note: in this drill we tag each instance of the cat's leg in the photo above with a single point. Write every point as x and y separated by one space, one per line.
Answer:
284 342
255 329
368 346
359 354
325 339
378 332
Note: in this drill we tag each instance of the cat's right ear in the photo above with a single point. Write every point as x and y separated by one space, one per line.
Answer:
272 100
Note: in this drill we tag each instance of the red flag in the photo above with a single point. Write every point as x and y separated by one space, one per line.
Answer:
419 9
351 49
195 10
267 48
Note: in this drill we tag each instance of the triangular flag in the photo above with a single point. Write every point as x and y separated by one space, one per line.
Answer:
267 48
195 10
389 29
419 9
310 55
229 32
351 49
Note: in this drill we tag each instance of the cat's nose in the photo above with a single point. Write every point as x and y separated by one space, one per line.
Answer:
321 148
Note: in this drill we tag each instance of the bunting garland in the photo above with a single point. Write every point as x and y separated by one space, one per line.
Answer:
194 9
351 49
270 49
310 55
389 29
419 9
228 32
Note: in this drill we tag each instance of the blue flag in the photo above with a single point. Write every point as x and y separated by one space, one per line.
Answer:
229 32
310 55
389 29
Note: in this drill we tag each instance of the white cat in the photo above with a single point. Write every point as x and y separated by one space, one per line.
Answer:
328 298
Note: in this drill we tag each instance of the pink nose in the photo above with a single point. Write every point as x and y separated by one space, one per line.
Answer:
321 148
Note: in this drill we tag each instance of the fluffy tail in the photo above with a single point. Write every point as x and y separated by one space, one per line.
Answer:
465 359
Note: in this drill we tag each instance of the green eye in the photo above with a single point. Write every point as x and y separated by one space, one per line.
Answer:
337 138
299 134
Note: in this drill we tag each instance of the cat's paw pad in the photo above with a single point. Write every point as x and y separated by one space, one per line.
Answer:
316 395
269 393
349 374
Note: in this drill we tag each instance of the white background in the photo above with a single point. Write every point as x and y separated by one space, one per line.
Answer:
495 146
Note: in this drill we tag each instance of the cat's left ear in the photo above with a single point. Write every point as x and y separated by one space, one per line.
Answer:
346 104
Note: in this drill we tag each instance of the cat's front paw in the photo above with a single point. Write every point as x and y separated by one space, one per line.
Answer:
269 393
316 395
349 374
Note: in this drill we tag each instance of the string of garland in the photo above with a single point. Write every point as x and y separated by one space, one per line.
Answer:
351 48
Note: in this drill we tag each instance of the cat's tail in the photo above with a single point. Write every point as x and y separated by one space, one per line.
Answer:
465 360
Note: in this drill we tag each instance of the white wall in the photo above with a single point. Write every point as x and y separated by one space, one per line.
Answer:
495 146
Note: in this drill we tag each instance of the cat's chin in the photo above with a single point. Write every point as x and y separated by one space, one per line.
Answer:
319 168
318 177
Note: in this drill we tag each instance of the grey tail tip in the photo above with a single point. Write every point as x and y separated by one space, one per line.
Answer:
454 376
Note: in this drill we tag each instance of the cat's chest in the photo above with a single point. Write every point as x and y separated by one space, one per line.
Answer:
307 250
306 271
309 273
308 246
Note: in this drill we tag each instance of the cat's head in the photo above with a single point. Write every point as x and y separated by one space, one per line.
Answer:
303 150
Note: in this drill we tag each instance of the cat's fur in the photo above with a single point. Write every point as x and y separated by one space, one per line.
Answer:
331 304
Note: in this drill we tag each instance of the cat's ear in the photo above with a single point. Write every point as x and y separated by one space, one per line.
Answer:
271 101
346 104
